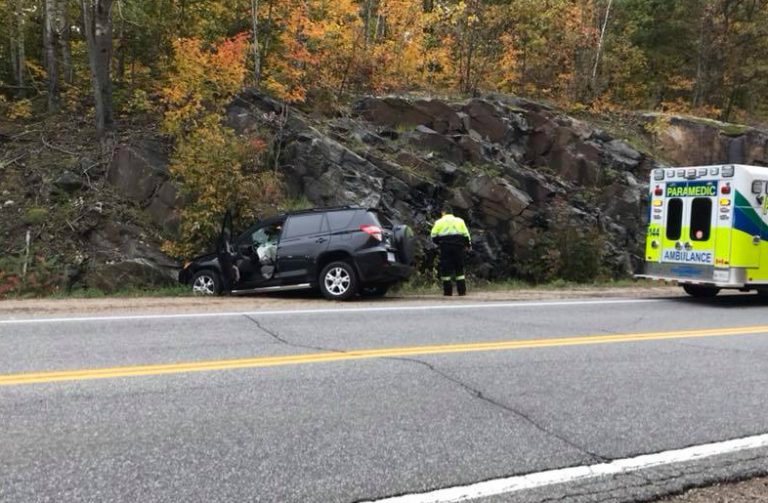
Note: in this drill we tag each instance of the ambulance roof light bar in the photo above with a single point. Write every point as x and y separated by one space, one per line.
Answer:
658 174
728 171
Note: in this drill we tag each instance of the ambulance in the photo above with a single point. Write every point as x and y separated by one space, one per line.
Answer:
708 228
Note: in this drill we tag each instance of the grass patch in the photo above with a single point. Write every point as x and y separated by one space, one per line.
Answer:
477 285
726 128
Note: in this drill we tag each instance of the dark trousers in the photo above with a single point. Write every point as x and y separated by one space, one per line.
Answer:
452 267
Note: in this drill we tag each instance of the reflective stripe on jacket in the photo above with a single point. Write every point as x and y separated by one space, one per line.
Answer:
450 229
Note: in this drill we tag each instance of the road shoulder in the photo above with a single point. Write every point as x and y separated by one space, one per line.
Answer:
156 305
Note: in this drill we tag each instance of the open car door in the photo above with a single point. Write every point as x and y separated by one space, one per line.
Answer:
226 253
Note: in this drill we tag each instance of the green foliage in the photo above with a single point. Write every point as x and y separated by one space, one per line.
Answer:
296 204
568 251
36 216
217 170
212 165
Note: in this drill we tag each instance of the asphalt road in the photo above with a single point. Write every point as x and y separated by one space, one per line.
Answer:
336 404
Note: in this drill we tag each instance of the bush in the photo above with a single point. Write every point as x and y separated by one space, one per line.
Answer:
570 251
21 109
36 216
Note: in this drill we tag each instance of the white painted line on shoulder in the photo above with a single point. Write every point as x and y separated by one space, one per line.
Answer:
450 306
506 486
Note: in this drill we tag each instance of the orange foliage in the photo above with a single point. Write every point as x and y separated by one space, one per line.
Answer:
202 79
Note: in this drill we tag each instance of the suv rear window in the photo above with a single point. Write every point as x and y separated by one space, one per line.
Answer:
302 225
340 220
368 218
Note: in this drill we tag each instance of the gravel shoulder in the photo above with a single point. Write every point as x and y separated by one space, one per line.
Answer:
748 491
149 305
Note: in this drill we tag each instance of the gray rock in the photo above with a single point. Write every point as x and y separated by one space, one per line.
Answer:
137 171
68 182
498 197
623 149
485 119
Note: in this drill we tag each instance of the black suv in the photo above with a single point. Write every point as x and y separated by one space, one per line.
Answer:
341 251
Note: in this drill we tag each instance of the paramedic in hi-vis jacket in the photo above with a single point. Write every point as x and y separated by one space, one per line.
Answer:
450 233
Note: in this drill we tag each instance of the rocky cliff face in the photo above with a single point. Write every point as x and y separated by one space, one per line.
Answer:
525 177
545 194
688 141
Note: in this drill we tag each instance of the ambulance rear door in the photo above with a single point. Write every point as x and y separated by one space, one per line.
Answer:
690 235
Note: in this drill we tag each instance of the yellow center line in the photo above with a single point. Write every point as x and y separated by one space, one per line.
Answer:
362 354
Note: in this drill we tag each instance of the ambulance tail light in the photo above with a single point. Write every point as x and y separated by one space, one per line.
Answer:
373 231
727 171
658 191
725 189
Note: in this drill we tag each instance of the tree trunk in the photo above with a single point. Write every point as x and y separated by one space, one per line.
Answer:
256 46
367 28
97 22
600 42
20 69
700 89
121 48
49 43
63 32
265 53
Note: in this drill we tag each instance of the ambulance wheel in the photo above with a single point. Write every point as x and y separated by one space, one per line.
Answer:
701 292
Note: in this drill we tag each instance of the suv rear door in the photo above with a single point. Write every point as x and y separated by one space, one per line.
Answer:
304 238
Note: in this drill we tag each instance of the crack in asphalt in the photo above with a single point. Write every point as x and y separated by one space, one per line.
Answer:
283 340
477 393
466 387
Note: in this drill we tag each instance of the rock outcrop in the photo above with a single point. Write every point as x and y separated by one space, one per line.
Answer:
522 174
545 194
139 172
688 141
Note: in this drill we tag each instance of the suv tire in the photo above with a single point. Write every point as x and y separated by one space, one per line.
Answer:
206 282
338 281
405 243
373 292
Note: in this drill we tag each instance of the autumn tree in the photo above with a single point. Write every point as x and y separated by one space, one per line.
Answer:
215 168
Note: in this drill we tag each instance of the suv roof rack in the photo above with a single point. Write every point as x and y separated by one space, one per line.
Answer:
326 208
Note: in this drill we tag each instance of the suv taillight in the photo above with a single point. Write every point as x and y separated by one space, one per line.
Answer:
372 230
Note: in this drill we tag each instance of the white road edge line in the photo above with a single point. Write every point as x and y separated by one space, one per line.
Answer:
510 485
350 310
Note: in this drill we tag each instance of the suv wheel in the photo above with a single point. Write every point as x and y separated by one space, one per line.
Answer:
338 281
206 283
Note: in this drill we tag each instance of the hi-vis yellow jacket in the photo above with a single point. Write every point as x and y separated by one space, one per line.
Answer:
450 230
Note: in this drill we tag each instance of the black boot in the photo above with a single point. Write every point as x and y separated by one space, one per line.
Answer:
447 288
461 287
